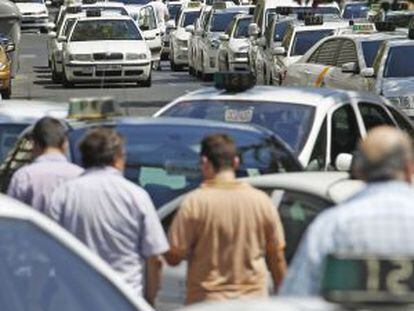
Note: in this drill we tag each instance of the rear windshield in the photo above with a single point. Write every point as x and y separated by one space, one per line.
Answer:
370 50
400 62
291 122
96 30
304 40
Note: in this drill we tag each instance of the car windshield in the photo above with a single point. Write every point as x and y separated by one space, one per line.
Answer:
67 27
304 40
96 30
400 62
280 31
291 122
189 18
220 21
242 28
173 10
356 10
134 2
271 13
370 49
8 137
38 272
163 159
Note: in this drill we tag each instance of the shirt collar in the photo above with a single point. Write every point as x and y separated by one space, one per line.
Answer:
51 157
391 186
220 182
102 170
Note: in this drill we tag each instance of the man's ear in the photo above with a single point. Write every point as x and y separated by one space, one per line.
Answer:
236 163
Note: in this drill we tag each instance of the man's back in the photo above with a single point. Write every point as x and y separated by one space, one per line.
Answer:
113 217
226 228
33 184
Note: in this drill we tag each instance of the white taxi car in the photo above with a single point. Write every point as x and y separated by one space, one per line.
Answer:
343 61
43 267
217 23
298 39
106 49
232 54
180 36
174 8
320 125
394 73
35 14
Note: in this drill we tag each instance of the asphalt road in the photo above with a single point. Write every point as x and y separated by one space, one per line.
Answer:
33 81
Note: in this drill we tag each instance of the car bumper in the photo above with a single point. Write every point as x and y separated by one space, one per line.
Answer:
34 22
76 72
181 56
156 53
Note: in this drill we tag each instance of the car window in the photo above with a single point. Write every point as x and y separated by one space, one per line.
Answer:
189 18
400 62
356 10
370 50
280 31
220 21
304 40
374 115
297 210
326 53
378 58
317 160
402 121
39 273
287 38
347 53
242 28
9 133
345 131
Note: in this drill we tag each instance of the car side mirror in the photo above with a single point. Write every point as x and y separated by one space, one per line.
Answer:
170 24
190 28
52 35
224 37
350 67
62 39
253 30
10 47
343 162
199 32
368 72
279 51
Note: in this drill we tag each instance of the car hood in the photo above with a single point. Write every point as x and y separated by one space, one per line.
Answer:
90 47
31 7
239 45
392 87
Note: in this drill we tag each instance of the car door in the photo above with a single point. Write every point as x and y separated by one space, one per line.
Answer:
338 76
344 133
148 24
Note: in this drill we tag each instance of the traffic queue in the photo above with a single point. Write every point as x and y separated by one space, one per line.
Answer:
290 176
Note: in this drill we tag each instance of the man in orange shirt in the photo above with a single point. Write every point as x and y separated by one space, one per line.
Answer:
228 231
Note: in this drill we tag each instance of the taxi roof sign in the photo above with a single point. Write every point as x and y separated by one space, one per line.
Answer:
93 13
73 9
363 27
234 81
90 108
314 20
193 5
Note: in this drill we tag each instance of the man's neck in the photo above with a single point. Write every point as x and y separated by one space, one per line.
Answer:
225 176
51 150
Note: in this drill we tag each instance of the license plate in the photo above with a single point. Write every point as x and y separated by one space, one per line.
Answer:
87 70
108 67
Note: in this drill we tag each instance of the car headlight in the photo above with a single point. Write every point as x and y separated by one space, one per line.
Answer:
80 57
402 102
214 44
136 56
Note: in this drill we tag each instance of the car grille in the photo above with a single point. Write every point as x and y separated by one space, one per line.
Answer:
240 55
108 56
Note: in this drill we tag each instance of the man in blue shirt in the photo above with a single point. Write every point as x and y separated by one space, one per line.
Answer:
378 220
115 218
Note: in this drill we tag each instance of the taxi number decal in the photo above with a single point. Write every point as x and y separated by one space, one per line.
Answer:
233 115
321 76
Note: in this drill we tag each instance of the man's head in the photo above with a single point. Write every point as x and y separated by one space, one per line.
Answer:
102 147
218 153
385 154
49 134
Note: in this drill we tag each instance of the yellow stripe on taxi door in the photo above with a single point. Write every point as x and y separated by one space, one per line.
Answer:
321 76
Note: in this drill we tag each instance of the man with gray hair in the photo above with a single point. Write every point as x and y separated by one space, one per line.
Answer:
378 220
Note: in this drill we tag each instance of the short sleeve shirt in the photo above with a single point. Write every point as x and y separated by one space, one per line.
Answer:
115 218
222 229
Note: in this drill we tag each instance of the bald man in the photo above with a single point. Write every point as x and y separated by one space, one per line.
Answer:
378 220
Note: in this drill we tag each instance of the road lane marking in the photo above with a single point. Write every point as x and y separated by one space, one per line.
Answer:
27 56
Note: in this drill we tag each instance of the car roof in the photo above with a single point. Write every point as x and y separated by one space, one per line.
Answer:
331 186
372 36
28 111
12 209
399 42
299 26
114 17
294 95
